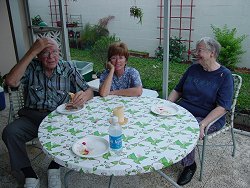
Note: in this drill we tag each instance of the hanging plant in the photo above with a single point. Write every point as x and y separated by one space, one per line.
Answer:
136 12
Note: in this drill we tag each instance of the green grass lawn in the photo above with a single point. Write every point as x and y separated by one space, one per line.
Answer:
151 75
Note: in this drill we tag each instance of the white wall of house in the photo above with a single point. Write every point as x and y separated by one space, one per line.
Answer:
220 12
144 37
7 52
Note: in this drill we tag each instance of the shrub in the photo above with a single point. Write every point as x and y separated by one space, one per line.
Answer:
90 34
231 46
159 53
100 49
176 50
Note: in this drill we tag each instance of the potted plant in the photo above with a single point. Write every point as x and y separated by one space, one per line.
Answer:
136 12
68 24
37 21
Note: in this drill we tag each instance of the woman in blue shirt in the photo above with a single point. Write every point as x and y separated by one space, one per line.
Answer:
118 79
205 90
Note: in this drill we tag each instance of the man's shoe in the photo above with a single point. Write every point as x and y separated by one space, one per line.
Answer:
31 183
187 174
54 180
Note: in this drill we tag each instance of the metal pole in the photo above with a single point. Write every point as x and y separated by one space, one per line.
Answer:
168 179
110 181
245 133
28 19
65 40
165 50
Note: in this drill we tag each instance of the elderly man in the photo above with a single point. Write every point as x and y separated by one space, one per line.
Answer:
47 82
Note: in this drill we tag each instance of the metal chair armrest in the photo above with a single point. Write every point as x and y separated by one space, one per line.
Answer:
211 123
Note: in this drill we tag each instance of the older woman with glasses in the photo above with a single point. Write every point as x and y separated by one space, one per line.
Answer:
118 79
206 90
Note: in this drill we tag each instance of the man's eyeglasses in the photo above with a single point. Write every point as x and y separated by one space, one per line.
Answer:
50 53
117 58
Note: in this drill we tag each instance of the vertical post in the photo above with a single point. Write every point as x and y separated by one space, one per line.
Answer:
51 17
190 28
180 30
28 19
55 7
166 50
161 16
65 40
16 28
170 16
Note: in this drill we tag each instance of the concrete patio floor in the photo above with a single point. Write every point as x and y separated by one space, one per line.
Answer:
221 169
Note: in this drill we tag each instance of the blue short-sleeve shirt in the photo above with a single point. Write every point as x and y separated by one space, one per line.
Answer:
202 91
130 78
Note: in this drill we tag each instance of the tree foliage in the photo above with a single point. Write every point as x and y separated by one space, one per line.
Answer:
100 49
231 45
176 50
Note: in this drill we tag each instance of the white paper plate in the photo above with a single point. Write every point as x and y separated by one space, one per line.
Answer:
164 109
97 146
61 109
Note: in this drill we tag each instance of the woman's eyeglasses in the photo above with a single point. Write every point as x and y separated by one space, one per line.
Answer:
200 50
117 58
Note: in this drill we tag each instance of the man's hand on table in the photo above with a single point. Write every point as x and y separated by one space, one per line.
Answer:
81 97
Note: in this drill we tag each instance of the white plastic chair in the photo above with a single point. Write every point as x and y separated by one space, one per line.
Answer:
16 100
228 126
94 84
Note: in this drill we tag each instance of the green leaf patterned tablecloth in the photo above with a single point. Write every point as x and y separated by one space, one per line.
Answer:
150 142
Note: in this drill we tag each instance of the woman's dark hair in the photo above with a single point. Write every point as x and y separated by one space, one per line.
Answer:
118 48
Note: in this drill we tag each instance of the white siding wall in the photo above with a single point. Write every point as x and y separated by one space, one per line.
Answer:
7 52
143 37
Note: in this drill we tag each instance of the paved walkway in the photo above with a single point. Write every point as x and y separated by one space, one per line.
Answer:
221 169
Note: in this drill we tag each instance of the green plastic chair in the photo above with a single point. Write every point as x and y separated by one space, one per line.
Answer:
228 126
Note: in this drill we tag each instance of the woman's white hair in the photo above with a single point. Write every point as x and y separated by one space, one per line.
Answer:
211 45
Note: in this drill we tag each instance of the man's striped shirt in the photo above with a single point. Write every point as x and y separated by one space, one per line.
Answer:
42 92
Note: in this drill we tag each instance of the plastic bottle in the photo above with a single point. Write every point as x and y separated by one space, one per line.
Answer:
115 136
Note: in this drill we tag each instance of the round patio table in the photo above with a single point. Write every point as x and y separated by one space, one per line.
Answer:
150 141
